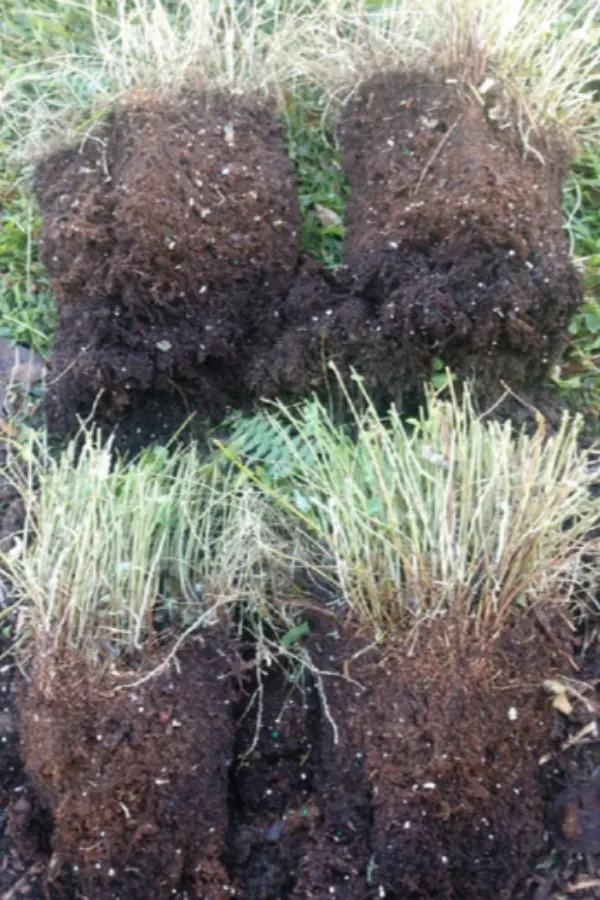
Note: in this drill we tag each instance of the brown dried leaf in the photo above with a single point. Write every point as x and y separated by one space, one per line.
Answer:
327 217
562 703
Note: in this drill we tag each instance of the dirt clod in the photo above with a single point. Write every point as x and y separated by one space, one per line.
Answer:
427 786
455 235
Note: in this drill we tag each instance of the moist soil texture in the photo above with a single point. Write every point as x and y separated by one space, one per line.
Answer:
132 773
168 233
390 774
455 253
455 233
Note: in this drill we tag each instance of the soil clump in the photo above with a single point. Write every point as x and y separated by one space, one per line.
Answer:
455 234
455 253
448 741
133 776
171 236
168 235
419 778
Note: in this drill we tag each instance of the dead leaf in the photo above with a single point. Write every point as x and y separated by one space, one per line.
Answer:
562 703
326 217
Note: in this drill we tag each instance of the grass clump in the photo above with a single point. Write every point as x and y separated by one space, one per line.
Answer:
113 552
532 63
448 514
149 47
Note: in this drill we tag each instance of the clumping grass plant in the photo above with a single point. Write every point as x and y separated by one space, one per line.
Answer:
151 48
113 551
543 54
448 514
533 63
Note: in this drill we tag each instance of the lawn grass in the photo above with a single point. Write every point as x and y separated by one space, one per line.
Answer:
27 308
313 150
579 378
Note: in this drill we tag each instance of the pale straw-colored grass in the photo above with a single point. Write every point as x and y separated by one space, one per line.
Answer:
451 515
113 551
153 48
536 58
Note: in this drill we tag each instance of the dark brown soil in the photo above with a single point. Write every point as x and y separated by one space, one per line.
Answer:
169 233
299 827
455 250
135 778
455 235
450 740
427 163
420 780
421 777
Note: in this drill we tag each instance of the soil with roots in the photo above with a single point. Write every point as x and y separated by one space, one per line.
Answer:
455 251
170 233
392 774
172 238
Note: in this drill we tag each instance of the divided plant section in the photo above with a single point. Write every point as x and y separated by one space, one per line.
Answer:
256 579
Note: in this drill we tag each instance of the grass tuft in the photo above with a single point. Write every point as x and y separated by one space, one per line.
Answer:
533 63
145 47
447 514
113 552
543 54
